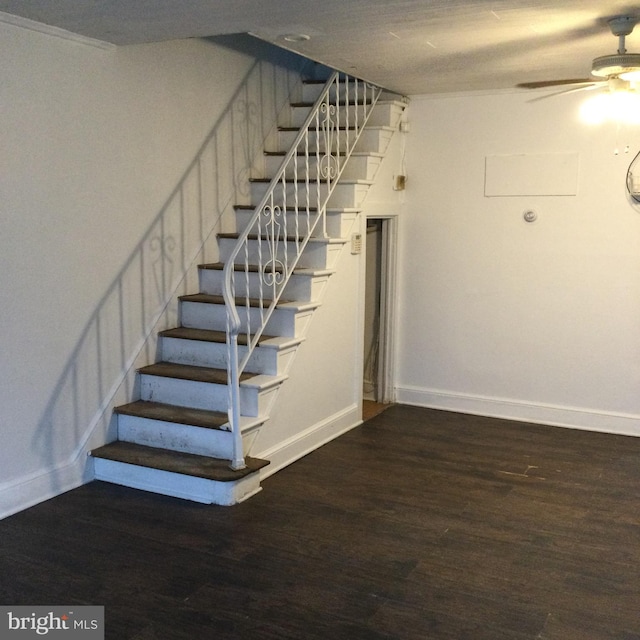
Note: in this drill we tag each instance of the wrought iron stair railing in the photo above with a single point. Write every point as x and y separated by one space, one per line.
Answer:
292 210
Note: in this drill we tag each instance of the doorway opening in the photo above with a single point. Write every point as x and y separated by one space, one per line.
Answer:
377 384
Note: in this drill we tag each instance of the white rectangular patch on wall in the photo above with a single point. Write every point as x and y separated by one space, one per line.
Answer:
537 174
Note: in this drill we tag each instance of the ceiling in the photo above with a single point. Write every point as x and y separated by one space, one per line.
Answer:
409 46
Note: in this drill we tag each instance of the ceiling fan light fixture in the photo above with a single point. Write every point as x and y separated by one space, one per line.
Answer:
631 76
616 65
618 106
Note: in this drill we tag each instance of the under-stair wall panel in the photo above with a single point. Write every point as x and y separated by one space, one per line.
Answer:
321 398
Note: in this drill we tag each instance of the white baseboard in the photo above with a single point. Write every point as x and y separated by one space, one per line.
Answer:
307 441
559 416
27 492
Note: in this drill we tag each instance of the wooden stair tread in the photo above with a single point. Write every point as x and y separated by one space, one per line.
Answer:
391 99
310 154
291 180
340 128
230 235
303 210
205 335
175 462
302 181
209 298
252 268
190 372
300 210
189 333
307 104
173 413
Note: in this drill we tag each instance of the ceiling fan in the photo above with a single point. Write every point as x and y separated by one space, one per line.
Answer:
617 71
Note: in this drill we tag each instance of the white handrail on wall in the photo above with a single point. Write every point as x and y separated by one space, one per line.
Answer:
289 213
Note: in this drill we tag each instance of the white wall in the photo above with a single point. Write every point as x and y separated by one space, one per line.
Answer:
534 321
322 397
106 198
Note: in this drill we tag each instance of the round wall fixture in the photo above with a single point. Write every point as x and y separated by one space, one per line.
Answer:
530 216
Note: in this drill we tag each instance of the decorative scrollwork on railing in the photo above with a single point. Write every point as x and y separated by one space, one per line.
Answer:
329 167
329 111
273 271
292 210
329 163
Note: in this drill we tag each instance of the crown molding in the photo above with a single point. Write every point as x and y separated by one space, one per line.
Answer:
56 32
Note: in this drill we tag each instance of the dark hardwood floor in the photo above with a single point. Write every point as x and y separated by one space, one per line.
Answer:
420 524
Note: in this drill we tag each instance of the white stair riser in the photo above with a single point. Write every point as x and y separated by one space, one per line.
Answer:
300 223
176 484
261 359
338 223
304 288
362 167
316 255
212 354
194 352
203 395
185 393
345 194
374 140
348 195
176 437
359 167
292 193
200 315
384 114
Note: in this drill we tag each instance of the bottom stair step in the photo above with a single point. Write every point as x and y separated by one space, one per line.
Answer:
182 475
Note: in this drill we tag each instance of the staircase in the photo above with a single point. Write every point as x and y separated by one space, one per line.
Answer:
202 405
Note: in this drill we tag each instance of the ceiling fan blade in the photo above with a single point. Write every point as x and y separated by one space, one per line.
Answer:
541 84
574 89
